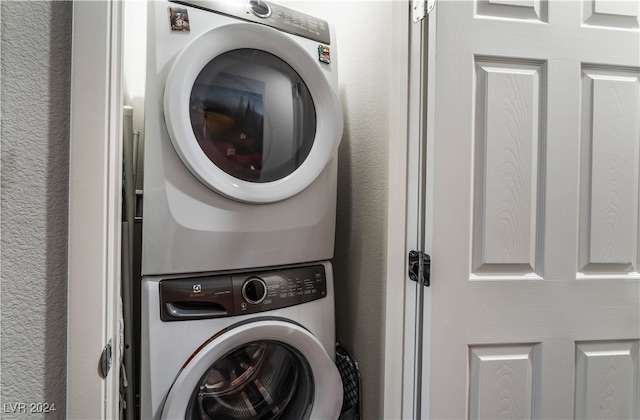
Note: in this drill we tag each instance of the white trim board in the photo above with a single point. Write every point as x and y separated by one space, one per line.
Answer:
395 389
94 209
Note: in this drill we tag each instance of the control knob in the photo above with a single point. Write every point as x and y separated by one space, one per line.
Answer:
254 290
259 8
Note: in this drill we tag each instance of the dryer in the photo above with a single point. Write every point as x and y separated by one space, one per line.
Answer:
242 127
240 345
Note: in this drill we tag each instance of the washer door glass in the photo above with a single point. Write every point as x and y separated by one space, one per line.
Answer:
252 115
261 380
257 369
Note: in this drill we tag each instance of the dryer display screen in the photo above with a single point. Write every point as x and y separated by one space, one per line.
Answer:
252 115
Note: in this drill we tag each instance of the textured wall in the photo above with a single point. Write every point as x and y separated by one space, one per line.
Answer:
35 81
361 232
364 51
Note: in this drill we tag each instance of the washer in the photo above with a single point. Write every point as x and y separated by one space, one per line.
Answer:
243 345
242 127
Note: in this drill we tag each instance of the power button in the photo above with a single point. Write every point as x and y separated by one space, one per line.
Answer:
259 8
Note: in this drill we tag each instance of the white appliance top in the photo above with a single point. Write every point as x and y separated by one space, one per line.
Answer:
270 14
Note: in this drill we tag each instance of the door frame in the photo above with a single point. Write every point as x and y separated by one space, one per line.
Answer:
95 177
94 212
410 203
394 383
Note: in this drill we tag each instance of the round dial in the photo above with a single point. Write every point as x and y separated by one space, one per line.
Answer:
259 8
254 290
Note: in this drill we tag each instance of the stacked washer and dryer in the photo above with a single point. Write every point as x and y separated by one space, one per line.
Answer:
242 127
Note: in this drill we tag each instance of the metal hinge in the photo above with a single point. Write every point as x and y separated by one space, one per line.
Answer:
420 267
105 360
421 8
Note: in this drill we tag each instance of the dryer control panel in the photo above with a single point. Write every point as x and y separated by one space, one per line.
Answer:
270 14
232 294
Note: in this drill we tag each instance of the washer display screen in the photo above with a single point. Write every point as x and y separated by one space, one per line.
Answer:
262 380
252 115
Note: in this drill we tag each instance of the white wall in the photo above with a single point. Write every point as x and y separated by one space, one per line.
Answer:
363 31
35 83
134 70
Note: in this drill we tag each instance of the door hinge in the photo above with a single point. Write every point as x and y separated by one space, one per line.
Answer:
421 8
420 267
105 360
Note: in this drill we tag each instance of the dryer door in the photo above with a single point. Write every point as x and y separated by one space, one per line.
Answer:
251 113
265 369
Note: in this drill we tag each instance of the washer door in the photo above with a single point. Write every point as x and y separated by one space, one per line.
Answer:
267 369
251 113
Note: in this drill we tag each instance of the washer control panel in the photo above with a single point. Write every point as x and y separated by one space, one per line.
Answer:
240 293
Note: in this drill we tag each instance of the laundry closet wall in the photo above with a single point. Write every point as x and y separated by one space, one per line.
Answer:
35 53
363 31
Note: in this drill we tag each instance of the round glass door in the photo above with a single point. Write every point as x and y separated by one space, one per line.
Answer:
258 369
263 380
251 113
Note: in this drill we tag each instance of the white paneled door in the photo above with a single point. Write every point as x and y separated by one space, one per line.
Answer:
536 260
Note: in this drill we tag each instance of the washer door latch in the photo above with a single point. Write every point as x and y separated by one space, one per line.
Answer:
420 267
